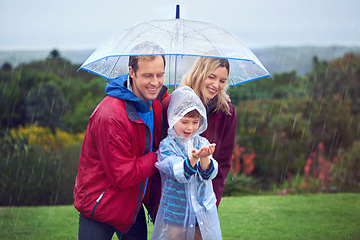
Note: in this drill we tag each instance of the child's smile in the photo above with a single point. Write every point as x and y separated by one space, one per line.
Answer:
186 126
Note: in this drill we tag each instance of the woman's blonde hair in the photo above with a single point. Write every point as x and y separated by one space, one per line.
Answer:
203 68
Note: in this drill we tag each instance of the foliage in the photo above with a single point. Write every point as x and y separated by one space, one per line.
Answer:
272 129
6 67
242 162
331 123
284 133
282 86
281 122
37 166
345 174
285 130
29 174
318 167
316 175
239 180
43 136
48 92
12 110
77 116
45 105
340 76
54 54
239 185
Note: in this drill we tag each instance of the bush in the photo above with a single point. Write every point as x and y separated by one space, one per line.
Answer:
29 174
238 185
38 167
283 133
239 180
345 174
69 159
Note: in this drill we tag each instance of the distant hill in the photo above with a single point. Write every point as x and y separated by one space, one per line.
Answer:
275 59
285 59
17 57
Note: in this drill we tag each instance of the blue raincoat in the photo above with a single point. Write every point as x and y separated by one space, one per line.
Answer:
187 199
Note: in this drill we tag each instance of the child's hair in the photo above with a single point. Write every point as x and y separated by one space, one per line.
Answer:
192 114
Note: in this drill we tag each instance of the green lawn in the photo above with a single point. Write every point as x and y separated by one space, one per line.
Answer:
326 216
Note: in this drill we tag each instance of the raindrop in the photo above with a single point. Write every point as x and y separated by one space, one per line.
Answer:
274 189
255 128
320 109
324 126
51 213
271 109
281 107
302 134
273 140
297 176
52 105
292 131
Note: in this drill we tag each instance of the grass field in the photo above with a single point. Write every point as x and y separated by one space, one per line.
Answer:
323 216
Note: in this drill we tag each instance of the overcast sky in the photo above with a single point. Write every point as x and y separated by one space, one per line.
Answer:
80 24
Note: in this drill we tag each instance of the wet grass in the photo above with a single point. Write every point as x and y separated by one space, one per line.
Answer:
326 216
322 216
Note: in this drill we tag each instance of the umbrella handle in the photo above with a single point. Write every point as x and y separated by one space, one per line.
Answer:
177 11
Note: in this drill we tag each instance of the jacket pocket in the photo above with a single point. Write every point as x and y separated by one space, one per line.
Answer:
97 203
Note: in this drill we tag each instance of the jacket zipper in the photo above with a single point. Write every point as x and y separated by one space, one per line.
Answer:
97 203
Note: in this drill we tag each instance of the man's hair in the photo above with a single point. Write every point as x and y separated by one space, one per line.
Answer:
133 60
192 114
146 50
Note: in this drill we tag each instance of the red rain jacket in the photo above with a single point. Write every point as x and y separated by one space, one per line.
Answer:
115 162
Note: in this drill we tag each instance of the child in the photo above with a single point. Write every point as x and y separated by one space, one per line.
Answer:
188 202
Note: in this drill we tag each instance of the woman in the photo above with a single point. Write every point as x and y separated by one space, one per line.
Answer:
208 78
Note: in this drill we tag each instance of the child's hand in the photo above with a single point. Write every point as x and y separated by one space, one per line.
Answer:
205 151
204 154
211 148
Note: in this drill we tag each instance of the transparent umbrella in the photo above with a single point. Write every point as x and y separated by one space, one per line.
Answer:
182 42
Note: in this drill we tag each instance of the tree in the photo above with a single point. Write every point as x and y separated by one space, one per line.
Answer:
54 54
340 76
281 86
6 67
45 105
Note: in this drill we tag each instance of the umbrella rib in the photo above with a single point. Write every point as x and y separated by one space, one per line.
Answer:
114 66
141 33
201 34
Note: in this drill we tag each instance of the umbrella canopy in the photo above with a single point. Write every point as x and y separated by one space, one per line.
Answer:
182 42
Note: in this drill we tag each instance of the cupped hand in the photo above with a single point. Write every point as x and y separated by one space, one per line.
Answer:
204 151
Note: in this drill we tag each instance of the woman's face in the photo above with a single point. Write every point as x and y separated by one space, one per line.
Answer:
214 83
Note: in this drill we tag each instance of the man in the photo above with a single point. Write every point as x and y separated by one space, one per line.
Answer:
117 158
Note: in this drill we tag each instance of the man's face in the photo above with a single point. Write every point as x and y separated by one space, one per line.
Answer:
149 78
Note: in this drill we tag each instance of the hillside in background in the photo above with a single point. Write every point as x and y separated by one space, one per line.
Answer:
275 59
285 59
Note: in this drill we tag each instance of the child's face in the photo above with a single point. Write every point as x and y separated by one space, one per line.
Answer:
187 126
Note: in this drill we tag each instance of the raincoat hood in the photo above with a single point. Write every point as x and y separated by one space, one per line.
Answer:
118 88
184 100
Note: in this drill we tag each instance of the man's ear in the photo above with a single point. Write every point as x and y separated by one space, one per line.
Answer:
132 72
